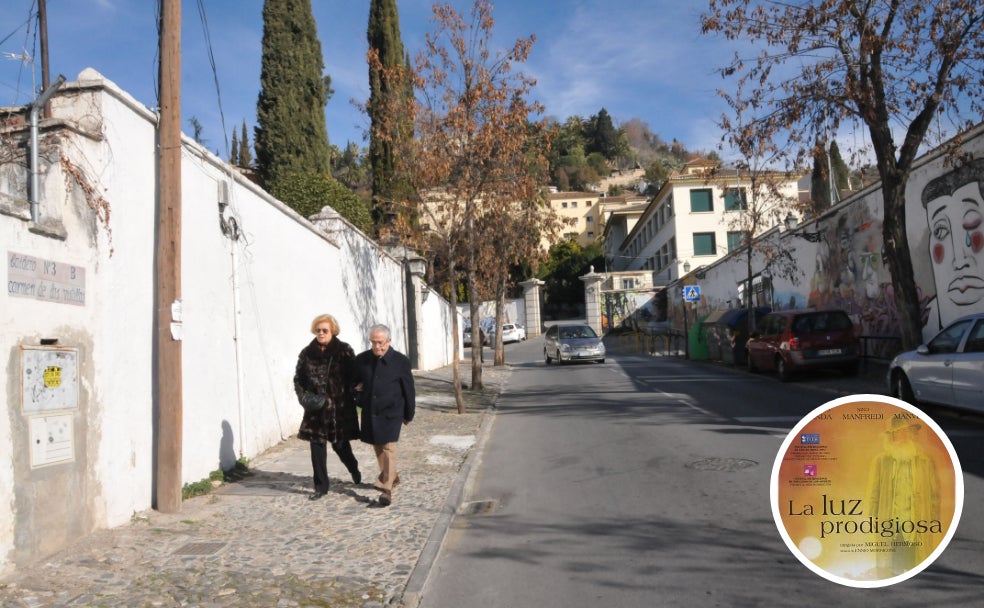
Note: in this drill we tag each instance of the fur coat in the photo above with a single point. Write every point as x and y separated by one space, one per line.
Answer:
327 372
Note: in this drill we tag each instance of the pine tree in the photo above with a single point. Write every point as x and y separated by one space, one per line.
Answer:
291 136
389 90
245 158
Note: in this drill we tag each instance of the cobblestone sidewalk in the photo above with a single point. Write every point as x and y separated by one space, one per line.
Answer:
260 542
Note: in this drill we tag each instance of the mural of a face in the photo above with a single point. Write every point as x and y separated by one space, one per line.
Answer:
955 209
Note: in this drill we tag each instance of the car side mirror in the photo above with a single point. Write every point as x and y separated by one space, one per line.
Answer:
922 349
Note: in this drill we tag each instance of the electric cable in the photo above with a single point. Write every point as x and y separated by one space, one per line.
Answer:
215 72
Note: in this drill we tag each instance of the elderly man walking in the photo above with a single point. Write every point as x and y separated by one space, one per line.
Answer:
386 394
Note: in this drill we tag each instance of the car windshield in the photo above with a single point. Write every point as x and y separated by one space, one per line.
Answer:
577 331
823 321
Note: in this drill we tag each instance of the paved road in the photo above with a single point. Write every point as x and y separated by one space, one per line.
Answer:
645 482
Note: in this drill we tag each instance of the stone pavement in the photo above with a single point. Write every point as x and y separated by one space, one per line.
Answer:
260 542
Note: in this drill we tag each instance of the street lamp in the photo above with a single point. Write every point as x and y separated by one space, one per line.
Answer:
686 266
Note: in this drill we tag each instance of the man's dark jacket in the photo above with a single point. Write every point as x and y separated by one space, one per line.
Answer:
387 397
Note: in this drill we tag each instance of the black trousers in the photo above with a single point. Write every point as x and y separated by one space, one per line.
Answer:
319 462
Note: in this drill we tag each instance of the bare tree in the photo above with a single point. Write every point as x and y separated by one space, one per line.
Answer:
895 66
471 158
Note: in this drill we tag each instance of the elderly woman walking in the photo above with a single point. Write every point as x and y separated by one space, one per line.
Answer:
323 382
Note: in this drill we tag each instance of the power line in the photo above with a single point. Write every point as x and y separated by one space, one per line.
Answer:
215 73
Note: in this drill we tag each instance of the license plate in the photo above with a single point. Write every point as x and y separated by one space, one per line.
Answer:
829 351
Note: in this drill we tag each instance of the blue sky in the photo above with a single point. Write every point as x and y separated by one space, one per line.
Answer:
641 59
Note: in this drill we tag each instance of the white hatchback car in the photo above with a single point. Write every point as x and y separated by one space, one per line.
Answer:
513 333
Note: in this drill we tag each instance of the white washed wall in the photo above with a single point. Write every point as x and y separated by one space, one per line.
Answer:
247 306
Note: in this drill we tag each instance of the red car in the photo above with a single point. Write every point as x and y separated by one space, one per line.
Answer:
795 340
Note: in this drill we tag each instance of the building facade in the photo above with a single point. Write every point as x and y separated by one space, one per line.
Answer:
700 215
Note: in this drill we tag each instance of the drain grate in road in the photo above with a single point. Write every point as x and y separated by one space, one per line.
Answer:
478 507
200 549
722 464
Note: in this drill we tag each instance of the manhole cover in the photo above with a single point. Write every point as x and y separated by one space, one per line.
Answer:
200 549
722 464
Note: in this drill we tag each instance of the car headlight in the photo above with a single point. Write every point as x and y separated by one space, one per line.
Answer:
601 347
565 347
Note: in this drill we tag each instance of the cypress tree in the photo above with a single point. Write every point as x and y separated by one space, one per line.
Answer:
245 158
234 155
389 90
291 136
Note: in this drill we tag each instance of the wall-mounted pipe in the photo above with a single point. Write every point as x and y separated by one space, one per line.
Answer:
39 103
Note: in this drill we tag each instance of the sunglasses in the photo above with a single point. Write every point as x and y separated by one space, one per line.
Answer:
322 330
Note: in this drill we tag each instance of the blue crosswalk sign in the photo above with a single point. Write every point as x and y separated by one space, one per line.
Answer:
691 293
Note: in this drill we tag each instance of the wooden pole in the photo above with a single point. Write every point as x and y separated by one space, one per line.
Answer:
169 382
43 30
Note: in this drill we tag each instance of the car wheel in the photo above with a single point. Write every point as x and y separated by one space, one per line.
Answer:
602 361
559 360
783 370
546 357
901 389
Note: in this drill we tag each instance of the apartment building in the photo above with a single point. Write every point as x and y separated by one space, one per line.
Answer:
588 213
695 219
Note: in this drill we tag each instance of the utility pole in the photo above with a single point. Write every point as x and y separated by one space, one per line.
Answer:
43 30
169 383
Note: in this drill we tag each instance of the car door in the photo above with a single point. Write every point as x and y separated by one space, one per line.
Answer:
760 347
968 370
931 373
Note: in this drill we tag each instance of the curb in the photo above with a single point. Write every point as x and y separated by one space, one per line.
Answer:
413 592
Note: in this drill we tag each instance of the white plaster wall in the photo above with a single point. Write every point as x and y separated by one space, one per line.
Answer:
247 306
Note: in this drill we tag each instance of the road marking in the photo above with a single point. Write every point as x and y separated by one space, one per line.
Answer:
684 378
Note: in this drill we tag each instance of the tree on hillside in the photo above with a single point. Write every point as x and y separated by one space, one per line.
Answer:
472 152
290 137
387 65
892 66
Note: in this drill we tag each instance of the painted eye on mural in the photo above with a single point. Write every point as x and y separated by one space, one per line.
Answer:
941 230
972 226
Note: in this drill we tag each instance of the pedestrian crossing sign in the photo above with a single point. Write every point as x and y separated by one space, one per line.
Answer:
691 293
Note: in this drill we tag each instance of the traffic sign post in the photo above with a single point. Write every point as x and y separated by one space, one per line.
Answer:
691 293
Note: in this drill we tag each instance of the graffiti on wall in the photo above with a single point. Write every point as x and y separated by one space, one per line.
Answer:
849 270
953 204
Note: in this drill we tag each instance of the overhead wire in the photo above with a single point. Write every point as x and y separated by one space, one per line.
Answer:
31 15
215 72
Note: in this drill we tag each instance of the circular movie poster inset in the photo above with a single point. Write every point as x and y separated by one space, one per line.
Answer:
867 491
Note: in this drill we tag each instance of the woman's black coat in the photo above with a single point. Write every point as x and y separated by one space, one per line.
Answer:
388 397
327 372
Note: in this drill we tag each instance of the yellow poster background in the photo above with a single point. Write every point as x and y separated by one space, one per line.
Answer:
855 467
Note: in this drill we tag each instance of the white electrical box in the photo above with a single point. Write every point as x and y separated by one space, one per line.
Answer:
52 440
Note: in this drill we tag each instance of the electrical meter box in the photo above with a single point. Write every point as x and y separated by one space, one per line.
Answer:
49 399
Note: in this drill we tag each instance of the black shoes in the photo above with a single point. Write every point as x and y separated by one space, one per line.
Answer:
356 477
385 499
317 495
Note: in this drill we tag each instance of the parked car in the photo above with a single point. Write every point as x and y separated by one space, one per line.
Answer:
513 333
565 343
791 341
948 370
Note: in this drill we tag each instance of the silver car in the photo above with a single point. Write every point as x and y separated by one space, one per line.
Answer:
948 370
567 343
